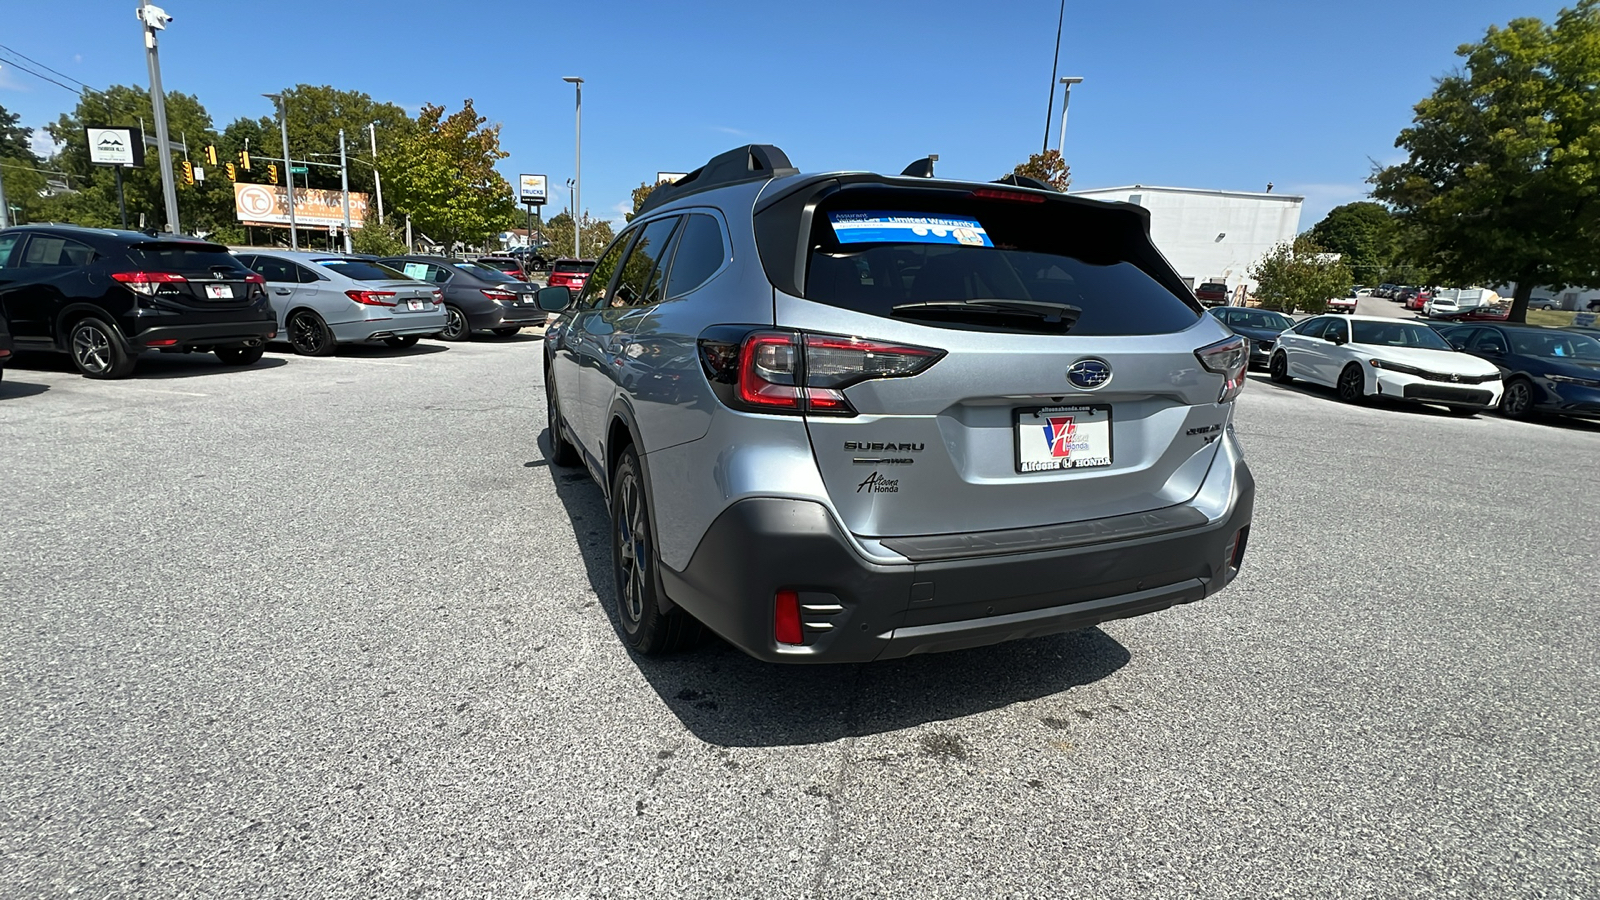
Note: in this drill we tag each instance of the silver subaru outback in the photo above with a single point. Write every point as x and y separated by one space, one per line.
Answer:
848 417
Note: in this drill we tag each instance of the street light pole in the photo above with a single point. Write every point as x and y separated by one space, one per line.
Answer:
151 20
1050 108
1066 96
283 127
344 190
577 169
377 180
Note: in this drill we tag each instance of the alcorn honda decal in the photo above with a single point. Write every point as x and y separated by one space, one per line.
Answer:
877 484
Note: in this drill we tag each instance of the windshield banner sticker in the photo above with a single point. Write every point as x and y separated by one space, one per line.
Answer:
907 228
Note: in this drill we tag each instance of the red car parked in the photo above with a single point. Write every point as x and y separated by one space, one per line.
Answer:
570 273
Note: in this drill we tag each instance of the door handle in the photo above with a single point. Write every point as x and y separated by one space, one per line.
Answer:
282 291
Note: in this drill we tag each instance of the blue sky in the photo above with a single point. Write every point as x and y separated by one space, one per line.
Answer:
1215 95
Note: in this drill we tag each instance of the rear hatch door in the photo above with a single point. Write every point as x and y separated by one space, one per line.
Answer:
212 279
1022 421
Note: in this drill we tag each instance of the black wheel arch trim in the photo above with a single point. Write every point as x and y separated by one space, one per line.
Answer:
76 311
621 412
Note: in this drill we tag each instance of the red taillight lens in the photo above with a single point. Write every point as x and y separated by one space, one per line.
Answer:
1227 358
438 296
147 282
786 618
164 342
255 278
793 372
494 294
4 353
372 298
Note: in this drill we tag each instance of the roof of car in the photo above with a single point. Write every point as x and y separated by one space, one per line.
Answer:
119 233
301 255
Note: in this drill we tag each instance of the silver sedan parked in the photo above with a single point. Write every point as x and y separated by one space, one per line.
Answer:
325 300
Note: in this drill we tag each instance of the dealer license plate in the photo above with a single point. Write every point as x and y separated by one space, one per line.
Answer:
219 292
414 305
1053 438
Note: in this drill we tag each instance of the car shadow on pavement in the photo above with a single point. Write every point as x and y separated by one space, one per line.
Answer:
11 389
152 365
384 351
729 699
521 337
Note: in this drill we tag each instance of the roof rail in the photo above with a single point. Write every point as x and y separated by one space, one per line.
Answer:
753 162
1025 181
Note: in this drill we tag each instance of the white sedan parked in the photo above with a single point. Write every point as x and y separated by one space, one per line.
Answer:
1367 356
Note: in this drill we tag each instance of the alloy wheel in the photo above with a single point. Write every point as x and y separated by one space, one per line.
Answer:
91 348
306 334
455 324
1351 385
633 552
1517 399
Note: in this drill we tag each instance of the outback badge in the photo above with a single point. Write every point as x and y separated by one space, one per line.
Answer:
1089 374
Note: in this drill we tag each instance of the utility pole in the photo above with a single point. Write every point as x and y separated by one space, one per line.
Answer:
1050 108
377 180
283 127
344 189
5 210
577 169
153 19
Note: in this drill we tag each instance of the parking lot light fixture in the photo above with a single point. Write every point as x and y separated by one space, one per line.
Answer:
1067 81
577 167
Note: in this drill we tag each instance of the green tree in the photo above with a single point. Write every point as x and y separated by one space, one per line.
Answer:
1047 167
316 113
205 207
1300 275
597 233
640 195
1365 234
20 167
378 238
1504 161
443 176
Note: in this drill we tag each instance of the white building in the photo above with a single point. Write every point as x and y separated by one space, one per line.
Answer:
1211 235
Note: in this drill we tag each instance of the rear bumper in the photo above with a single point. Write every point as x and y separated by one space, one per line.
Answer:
506 317
215 334
855 610
399 325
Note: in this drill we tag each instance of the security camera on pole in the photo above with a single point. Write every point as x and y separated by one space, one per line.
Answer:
154 19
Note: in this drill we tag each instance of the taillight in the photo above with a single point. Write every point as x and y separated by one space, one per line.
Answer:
497 294
255 278
372 298
147 282
793 372
786 618
1227 358
438 296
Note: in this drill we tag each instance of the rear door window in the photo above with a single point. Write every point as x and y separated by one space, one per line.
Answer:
640 271
700 255
45 250
8 242
982 264
361 270
594 289
275 271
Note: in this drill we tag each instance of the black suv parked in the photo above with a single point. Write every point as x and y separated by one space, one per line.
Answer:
105 296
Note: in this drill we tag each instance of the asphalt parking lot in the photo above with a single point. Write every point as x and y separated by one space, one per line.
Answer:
333 628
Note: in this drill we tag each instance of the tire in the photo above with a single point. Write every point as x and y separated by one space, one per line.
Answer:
645 627
309 335
239 356
456 326
562 452
1278 368
402 342
1352 384
97 351
1517 401
506 332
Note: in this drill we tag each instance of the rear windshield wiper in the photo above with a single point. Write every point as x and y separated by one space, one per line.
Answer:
1056 316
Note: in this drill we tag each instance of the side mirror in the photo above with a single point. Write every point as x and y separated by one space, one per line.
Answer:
1335 339
555 299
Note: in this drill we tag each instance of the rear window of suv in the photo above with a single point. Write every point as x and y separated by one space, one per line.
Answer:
183 257
568 267
957 262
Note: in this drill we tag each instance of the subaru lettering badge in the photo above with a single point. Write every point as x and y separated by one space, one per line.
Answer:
1089 374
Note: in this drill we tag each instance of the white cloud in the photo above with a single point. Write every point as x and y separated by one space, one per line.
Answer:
42 144
733 131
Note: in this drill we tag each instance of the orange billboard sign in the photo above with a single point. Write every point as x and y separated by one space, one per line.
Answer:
266 204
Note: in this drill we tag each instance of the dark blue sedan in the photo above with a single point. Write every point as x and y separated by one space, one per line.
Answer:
1548 370
1259 327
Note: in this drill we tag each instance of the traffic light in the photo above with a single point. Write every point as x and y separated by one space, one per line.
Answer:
233 174
244 160
188 172
272 173
211 155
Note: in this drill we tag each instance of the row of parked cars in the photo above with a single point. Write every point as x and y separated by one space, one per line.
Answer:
104 296
1466 367
1475 304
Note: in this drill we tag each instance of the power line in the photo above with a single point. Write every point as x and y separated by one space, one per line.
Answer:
45 77
43 66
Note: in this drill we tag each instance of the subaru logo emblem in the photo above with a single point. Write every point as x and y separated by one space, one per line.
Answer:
1089 374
